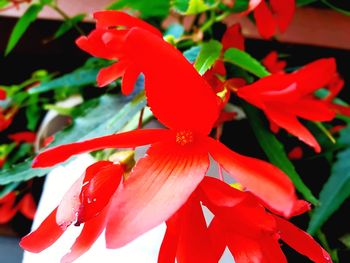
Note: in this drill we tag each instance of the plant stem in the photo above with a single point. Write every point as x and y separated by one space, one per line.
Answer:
55 7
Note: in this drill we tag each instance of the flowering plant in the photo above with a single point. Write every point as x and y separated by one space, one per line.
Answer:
194 82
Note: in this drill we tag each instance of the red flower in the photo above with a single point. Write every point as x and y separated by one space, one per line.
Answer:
106 41
279 16
6 117
26 136
296 153
2 94
240 222
9 208
272 63
177 160
284 97
87 201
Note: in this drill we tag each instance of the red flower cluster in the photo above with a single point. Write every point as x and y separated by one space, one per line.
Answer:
162 184
284 97
240 222
9 207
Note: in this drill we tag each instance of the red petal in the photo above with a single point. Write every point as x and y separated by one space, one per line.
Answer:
244 249
272 249
111 73
98 189
265 21
91 231
27 206
296 153
194 242
159 184
46 234
7 213
176 93
2 94
233 38
301 207
167 251
261 178
18 137
313 109
95 43
289 122
302 242
110 18
215 192
315 75
284 12
129 80
218 236
272 63
129 139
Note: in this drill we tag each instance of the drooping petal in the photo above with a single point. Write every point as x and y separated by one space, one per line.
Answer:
284 12
233 38
129 80
218 236
289 122
110 18
272 249
159 184
89 234
44 236
109 74
302 242
265 21
244 249
315 75
313 109
129 139
301 207
27 206
167 251
194 244
176 93
261 178
97 191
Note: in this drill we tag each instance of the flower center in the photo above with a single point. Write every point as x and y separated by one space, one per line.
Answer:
184 137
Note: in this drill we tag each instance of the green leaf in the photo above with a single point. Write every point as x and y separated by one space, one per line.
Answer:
21 172
192 7
33 113
22 24
208 55
240 6
8 188
191 54
337 189
68 25
24 150
79 78
274 150
154 8
245 61
102 116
